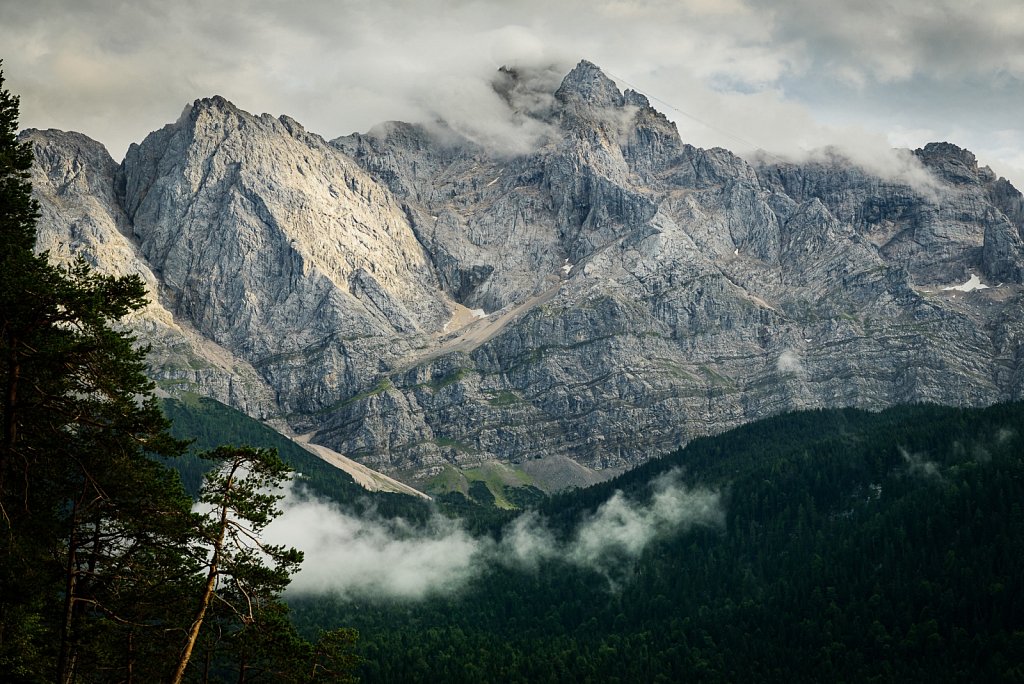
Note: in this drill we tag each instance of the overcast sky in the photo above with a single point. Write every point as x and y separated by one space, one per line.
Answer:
783 75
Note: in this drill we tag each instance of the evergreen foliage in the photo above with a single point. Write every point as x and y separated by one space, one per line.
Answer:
239 494
857 547
88 518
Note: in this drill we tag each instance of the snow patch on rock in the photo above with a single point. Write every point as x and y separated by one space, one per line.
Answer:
974 283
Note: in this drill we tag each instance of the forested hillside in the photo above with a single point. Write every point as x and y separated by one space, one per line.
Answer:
855 547
207 423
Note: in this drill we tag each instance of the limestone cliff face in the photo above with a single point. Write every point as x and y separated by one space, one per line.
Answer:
276 247
420 301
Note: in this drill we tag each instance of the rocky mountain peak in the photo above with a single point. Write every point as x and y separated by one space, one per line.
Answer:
632 97
214 104
211 120
954 164
587 85
935 151
422 303
64 154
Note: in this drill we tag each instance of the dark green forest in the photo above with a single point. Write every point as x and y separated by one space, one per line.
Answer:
207 424
857 547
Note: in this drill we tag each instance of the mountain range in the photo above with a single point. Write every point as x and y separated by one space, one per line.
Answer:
556 299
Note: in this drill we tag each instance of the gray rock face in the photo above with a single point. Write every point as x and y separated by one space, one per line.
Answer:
421 302
74 180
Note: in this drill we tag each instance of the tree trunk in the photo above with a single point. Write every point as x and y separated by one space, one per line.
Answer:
10 404
204 603
129 674
66 659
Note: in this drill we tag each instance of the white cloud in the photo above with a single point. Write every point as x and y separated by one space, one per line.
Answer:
371 557
918 465
617 532
789 362
353 556
622 529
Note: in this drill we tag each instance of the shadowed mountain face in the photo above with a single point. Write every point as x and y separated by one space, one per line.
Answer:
570 305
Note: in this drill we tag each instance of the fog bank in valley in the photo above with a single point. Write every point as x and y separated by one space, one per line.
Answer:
369 556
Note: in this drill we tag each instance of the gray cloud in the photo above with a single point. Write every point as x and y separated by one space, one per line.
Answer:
786 76
886 41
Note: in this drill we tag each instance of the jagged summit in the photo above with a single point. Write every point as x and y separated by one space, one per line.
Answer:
214 103
953 163
947 150
637 99
218 114
212 108
587 85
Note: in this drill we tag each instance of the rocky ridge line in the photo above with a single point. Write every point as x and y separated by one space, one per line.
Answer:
423 304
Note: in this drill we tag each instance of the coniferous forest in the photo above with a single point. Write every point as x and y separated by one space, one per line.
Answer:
855 547
850 546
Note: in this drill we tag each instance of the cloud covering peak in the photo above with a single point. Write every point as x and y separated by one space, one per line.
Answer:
786 76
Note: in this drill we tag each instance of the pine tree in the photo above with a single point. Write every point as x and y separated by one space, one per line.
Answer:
88 519
239 493
21 271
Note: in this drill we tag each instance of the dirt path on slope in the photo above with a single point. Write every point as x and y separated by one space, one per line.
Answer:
479 331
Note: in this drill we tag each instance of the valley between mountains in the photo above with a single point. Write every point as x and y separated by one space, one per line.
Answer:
555 304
